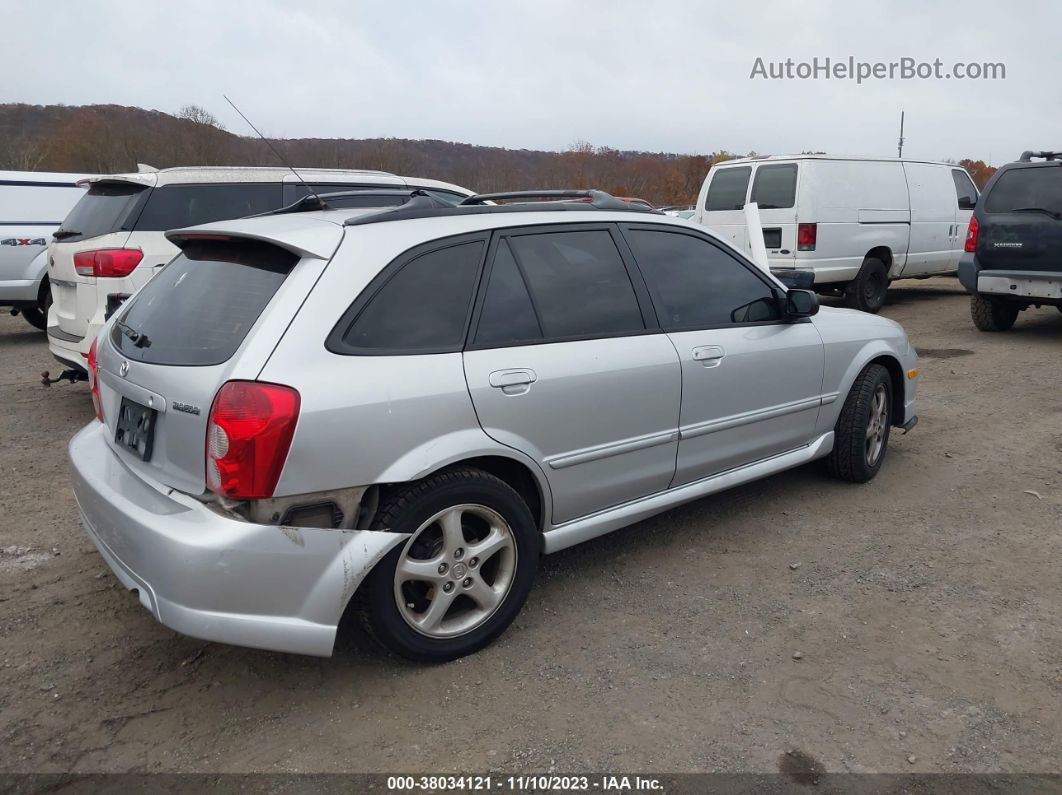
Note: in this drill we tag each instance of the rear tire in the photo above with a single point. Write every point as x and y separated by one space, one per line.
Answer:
861 435
867 291
991 314
37 316
478 574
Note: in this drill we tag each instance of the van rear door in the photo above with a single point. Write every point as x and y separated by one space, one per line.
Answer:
722 206
774 189
102 219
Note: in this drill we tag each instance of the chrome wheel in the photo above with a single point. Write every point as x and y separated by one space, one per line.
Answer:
878 425
455 571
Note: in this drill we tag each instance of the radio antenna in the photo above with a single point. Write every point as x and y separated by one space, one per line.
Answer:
280 157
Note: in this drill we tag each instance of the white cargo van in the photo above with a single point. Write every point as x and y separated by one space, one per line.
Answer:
856 223
32 205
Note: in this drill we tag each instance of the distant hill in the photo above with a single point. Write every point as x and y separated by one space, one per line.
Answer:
114 138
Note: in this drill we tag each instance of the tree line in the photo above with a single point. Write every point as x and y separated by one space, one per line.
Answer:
103 139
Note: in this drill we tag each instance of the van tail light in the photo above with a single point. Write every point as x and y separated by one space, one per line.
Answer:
107 262
94 381
248 436
807 235
971 235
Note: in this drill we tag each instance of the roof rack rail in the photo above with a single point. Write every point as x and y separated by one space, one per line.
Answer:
311 202
1029 154
583 200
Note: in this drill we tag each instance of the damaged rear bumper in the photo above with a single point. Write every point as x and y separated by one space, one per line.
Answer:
213 577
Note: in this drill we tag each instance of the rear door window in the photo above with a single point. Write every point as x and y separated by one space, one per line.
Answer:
178 206
1038 188
508 316
775 186
694 284
965 192
199 308
106 207
422 307
578 283
728 189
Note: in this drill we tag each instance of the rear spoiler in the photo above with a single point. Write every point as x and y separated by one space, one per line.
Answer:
1029 154
302 236
147 180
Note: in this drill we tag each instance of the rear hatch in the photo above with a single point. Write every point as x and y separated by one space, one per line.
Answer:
103 218
213 314
1020 220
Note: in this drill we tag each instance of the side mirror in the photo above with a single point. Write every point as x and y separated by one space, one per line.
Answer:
801 303
967 204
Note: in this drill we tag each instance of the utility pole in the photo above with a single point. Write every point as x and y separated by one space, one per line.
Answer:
899 146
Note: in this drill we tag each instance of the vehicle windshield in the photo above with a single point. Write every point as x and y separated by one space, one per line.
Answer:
198 309
1026 190
107 207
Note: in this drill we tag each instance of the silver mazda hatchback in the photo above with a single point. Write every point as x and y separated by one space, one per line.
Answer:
391 414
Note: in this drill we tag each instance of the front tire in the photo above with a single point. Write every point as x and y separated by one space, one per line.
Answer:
868 289
991 314
861 436
464 573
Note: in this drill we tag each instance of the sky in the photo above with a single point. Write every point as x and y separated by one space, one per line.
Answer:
629 74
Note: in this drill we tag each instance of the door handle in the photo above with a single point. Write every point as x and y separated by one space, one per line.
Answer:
512 382
709 355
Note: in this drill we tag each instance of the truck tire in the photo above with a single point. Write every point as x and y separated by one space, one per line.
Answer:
867 291
37 316
991 314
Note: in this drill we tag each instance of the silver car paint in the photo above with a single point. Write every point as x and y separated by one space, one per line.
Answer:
383 419
214 577
599 417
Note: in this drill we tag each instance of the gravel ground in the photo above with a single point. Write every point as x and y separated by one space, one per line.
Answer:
910 624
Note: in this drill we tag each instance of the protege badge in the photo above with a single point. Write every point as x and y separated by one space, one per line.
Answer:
187 408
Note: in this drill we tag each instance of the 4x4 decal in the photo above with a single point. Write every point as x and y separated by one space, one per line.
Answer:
23 241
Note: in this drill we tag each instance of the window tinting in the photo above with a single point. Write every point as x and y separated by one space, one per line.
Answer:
107 207
727 189
965 192
508 315
199 308
695 284
775 186
178 206
578 283
423 306
1037 187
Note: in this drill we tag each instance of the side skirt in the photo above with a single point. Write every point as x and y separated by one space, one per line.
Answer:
597 524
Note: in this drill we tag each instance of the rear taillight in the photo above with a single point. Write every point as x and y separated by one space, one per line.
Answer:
248 436
94 381
971 235
107 262
807 235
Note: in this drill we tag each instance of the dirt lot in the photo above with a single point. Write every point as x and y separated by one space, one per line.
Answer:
926 605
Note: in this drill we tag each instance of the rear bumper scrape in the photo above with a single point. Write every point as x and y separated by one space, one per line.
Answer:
213 577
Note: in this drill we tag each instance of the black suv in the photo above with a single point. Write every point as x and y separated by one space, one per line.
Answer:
1013 256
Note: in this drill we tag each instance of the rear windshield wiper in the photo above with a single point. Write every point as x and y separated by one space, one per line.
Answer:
138 339
1052 213
63 234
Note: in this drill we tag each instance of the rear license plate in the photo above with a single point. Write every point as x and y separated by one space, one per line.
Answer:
136 428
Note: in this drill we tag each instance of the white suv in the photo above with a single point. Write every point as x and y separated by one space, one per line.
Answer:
113 241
